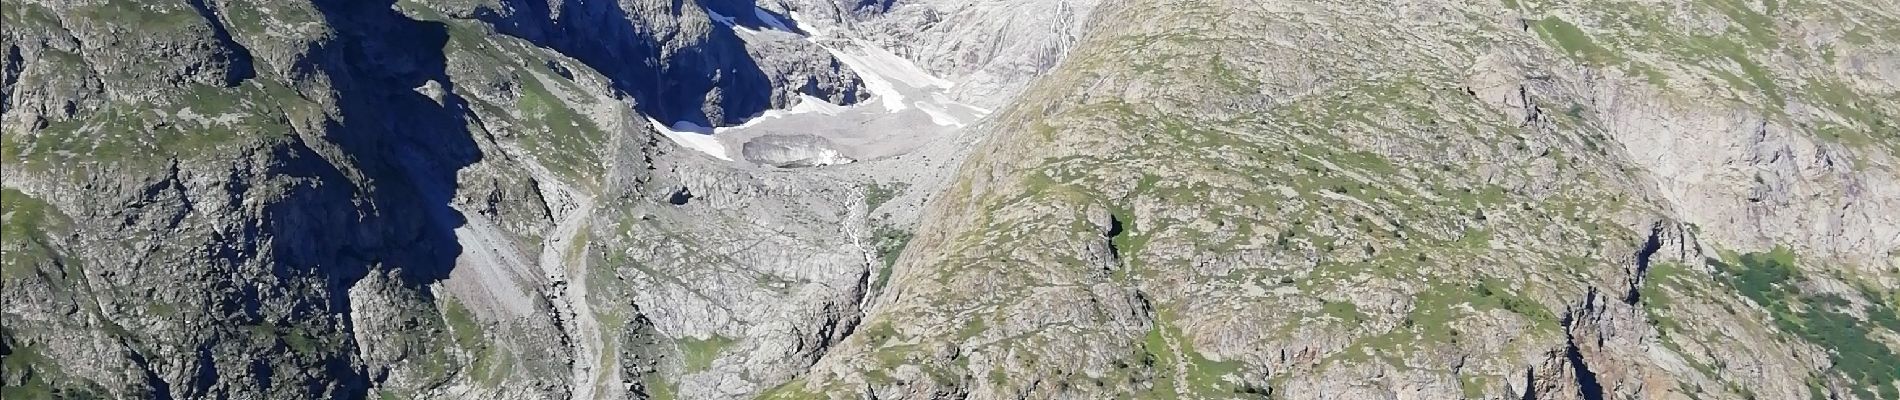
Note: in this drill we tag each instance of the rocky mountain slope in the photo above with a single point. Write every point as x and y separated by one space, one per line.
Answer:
584 199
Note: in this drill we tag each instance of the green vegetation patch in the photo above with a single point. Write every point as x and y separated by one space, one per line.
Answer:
1773 281
794 390
890 244
877 194
1436 314
1756 26
25 374
257 18
29 17
489 363
1493 295
23 241
1345 311
1656 297
1573 41
1472 386
699 353
563 140
659 388
293 338
1168 352
202 121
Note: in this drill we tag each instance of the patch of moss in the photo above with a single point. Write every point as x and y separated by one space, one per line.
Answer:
1656 297
1758 27
24 378
1437 310
22 15
257 17
700 353
1491 294
1753 78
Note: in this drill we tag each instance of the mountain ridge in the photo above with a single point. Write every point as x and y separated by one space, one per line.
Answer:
1228 199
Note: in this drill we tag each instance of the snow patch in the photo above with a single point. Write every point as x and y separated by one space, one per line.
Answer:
720 18
692 136
816 31
808 104
702 138
887 75
771 21
938 115
905 96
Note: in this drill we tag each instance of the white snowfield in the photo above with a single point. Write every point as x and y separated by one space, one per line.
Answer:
910 105
693 137
888 76
770 20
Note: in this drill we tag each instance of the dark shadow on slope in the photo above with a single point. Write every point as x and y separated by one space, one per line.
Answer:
874 6
241 67
669 85
1587 382
1644 256
407 143
1113 236
748 14
159 388
11 66
371 191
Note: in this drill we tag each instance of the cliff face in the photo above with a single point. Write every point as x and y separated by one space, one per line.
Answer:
1187 199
